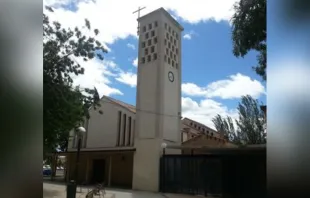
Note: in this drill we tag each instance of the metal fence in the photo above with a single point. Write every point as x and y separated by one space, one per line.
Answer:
190 174
223 175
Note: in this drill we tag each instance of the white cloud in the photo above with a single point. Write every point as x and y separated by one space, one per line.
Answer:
187 36
192 89
205 110
124 23
97 74
131 46
236 86
135 62
128 78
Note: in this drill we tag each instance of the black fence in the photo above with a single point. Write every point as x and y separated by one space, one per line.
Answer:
226 175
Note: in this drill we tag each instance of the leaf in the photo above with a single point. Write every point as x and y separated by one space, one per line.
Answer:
49 8
96 31
87 23
65 106
249 30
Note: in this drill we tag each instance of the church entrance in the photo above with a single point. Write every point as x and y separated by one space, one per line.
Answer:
98 171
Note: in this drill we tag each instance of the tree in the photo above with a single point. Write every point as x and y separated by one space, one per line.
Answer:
249 128
66 106
249 31
226 126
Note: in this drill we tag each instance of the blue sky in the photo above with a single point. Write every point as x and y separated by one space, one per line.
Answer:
213 80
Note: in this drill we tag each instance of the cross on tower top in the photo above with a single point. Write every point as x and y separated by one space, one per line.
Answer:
138 11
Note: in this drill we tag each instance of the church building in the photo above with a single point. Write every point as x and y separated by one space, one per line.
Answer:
122 146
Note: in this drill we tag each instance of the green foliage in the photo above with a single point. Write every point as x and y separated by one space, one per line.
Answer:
65 106
249 31
249 126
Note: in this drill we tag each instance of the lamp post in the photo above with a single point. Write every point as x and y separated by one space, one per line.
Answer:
164 146
163 187
71 188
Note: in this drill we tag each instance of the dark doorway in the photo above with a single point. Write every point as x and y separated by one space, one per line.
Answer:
98 171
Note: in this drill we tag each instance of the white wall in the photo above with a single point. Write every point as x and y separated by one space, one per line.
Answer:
102 130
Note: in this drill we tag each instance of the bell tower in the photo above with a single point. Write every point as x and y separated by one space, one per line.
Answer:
158 99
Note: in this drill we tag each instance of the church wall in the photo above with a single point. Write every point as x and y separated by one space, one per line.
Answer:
122 170
171 90
107 130
148 91
147 106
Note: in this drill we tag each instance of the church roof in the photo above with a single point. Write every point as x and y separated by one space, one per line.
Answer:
166 14
198 123
129 107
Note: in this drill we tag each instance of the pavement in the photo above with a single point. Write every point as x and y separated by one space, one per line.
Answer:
51 190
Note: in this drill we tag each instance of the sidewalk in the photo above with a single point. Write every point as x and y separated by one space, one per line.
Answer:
58 190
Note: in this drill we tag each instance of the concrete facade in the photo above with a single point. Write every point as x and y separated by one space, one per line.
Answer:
158 95
114 128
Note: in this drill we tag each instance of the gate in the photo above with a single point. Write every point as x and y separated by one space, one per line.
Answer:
235 174
191 174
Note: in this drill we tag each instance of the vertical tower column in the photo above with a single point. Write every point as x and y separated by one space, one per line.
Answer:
158 99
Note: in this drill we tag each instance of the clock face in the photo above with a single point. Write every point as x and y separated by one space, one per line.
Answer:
171 76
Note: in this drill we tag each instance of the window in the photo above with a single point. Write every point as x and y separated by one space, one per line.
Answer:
169 45
150 26
153 33
198 128
191 124
176 51
144 29
124 130
154 56
142 60
167 51
173 48
172 63
165 25
203 130
143 44
174 42
149 42
152 49
119 121
173 32
167 35
168 60
171 38
169 29
155 40
195 126
165 58
149 58
176 65
129 131
208 132
155 23
211 134
146 35
165 42
133 129
176 36
146 51
174 57
171 54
